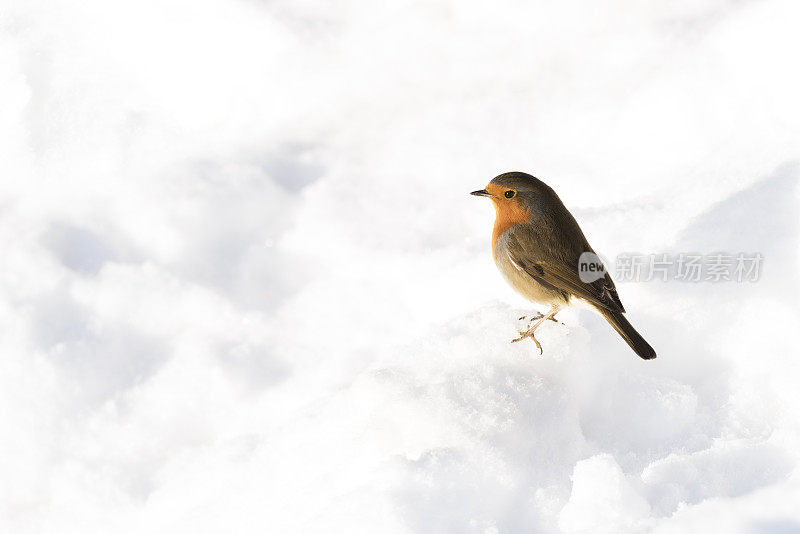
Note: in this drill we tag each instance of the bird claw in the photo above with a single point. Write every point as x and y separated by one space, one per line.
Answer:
529 334
539 318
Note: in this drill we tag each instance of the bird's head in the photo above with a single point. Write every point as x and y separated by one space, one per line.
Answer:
514 192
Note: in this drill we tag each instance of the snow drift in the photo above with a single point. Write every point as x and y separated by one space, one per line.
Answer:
245 288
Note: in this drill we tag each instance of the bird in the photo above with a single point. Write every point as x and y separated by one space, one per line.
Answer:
539 249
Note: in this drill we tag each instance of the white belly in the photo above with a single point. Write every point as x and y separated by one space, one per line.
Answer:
522 282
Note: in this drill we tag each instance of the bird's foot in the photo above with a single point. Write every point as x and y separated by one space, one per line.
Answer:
539 318
529 334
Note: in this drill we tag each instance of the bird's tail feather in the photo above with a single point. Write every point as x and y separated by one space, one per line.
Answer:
629 334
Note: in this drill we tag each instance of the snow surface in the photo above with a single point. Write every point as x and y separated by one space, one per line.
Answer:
244 288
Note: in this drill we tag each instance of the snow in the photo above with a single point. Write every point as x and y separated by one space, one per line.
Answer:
244 287
601 498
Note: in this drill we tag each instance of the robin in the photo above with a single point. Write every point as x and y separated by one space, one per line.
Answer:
540 249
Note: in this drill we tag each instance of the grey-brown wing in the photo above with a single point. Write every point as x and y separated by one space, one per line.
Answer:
551 255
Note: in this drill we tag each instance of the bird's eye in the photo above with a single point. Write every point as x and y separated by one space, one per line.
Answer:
510 193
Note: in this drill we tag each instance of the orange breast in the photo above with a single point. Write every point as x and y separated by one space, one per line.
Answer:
508 213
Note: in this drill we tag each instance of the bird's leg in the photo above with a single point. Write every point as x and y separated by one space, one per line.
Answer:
549 315
533 318
537 316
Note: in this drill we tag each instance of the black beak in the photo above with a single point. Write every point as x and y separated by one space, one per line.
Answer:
481 193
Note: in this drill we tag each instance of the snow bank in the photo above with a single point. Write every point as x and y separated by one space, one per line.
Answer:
245 288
